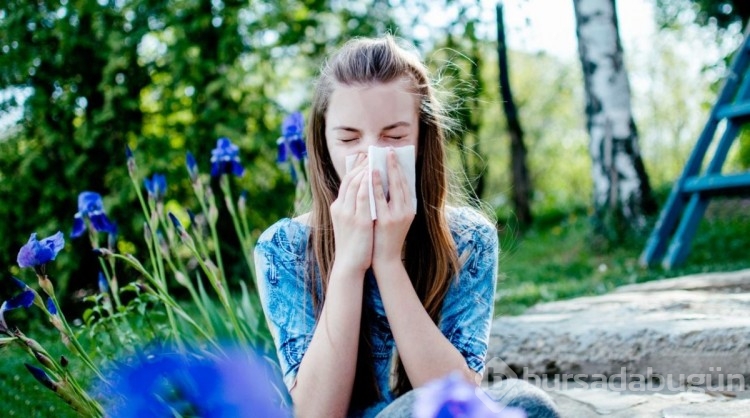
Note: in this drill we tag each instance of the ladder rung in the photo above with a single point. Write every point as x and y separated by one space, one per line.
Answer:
736 110
716 182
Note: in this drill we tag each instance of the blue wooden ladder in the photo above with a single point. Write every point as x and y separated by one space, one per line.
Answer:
690 194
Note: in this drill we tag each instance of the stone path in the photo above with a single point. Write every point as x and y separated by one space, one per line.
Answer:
671 348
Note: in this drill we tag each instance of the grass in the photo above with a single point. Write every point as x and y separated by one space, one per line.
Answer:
20 394
554 260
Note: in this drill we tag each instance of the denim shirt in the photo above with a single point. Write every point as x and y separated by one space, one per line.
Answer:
280 258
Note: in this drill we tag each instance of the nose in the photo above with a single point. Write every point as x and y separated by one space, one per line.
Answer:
375 140
364 143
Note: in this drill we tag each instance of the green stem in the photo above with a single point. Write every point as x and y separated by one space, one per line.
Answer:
220 290
212 227
74 340
189 286
164 296
153 251
114 285
153 224
55 369
244 239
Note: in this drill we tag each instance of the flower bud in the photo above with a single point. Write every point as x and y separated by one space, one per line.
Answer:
192 167
42 377
103 252
181 279
44 360
132 167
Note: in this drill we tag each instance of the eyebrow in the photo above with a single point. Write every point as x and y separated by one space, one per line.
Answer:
389 127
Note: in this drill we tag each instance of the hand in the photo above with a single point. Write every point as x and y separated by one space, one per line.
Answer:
352 223
394 216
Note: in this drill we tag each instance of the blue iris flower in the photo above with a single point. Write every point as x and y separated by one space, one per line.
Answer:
22 300
225 159
169 384
90 206
192 166
293 126
292 138
156 186
452 396
51 308
36 253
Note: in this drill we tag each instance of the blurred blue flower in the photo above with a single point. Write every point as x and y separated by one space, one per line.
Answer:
293 126
292 138
90 206
169 385
452 396
22 300
103 284
51 308
225 159
176 222
37 253
112 236
156 186
192 166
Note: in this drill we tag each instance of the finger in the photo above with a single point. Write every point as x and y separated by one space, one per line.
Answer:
352 191
346 181
381 206
395 181
362 208
408 195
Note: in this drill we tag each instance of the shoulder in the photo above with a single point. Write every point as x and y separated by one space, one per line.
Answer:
287 235
468 225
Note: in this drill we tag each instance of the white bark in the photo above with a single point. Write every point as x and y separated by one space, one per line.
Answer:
614 142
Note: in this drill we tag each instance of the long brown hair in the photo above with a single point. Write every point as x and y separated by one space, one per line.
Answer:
430 254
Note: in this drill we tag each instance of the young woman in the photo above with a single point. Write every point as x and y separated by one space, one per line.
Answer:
364 310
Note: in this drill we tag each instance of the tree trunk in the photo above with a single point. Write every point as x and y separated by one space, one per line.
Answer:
622 194
519 170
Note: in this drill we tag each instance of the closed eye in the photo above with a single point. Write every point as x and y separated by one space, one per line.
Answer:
396 137
348 139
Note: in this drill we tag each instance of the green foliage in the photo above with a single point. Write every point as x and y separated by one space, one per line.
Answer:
722 13
557 260
743 153
164 78
549 95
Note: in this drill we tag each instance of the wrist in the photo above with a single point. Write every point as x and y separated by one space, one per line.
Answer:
387 267
350 271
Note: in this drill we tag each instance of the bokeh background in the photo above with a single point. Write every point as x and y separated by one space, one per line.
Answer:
81 79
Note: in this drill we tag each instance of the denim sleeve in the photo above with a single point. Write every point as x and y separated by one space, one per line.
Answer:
469 304
280 271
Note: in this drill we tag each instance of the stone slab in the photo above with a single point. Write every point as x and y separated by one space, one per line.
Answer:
672 330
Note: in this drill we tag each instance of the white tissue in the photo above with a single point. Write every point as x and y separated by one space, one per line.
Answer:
377 158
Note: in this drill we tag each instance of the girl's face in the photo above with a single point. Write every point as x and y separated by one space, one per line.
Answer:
362 115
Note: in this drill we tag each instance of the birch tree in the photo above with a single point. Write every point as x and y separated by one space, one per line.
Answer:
622 194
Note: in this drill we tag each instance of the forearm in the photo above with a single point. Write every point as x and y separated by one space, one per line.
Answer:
326 374
426 353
